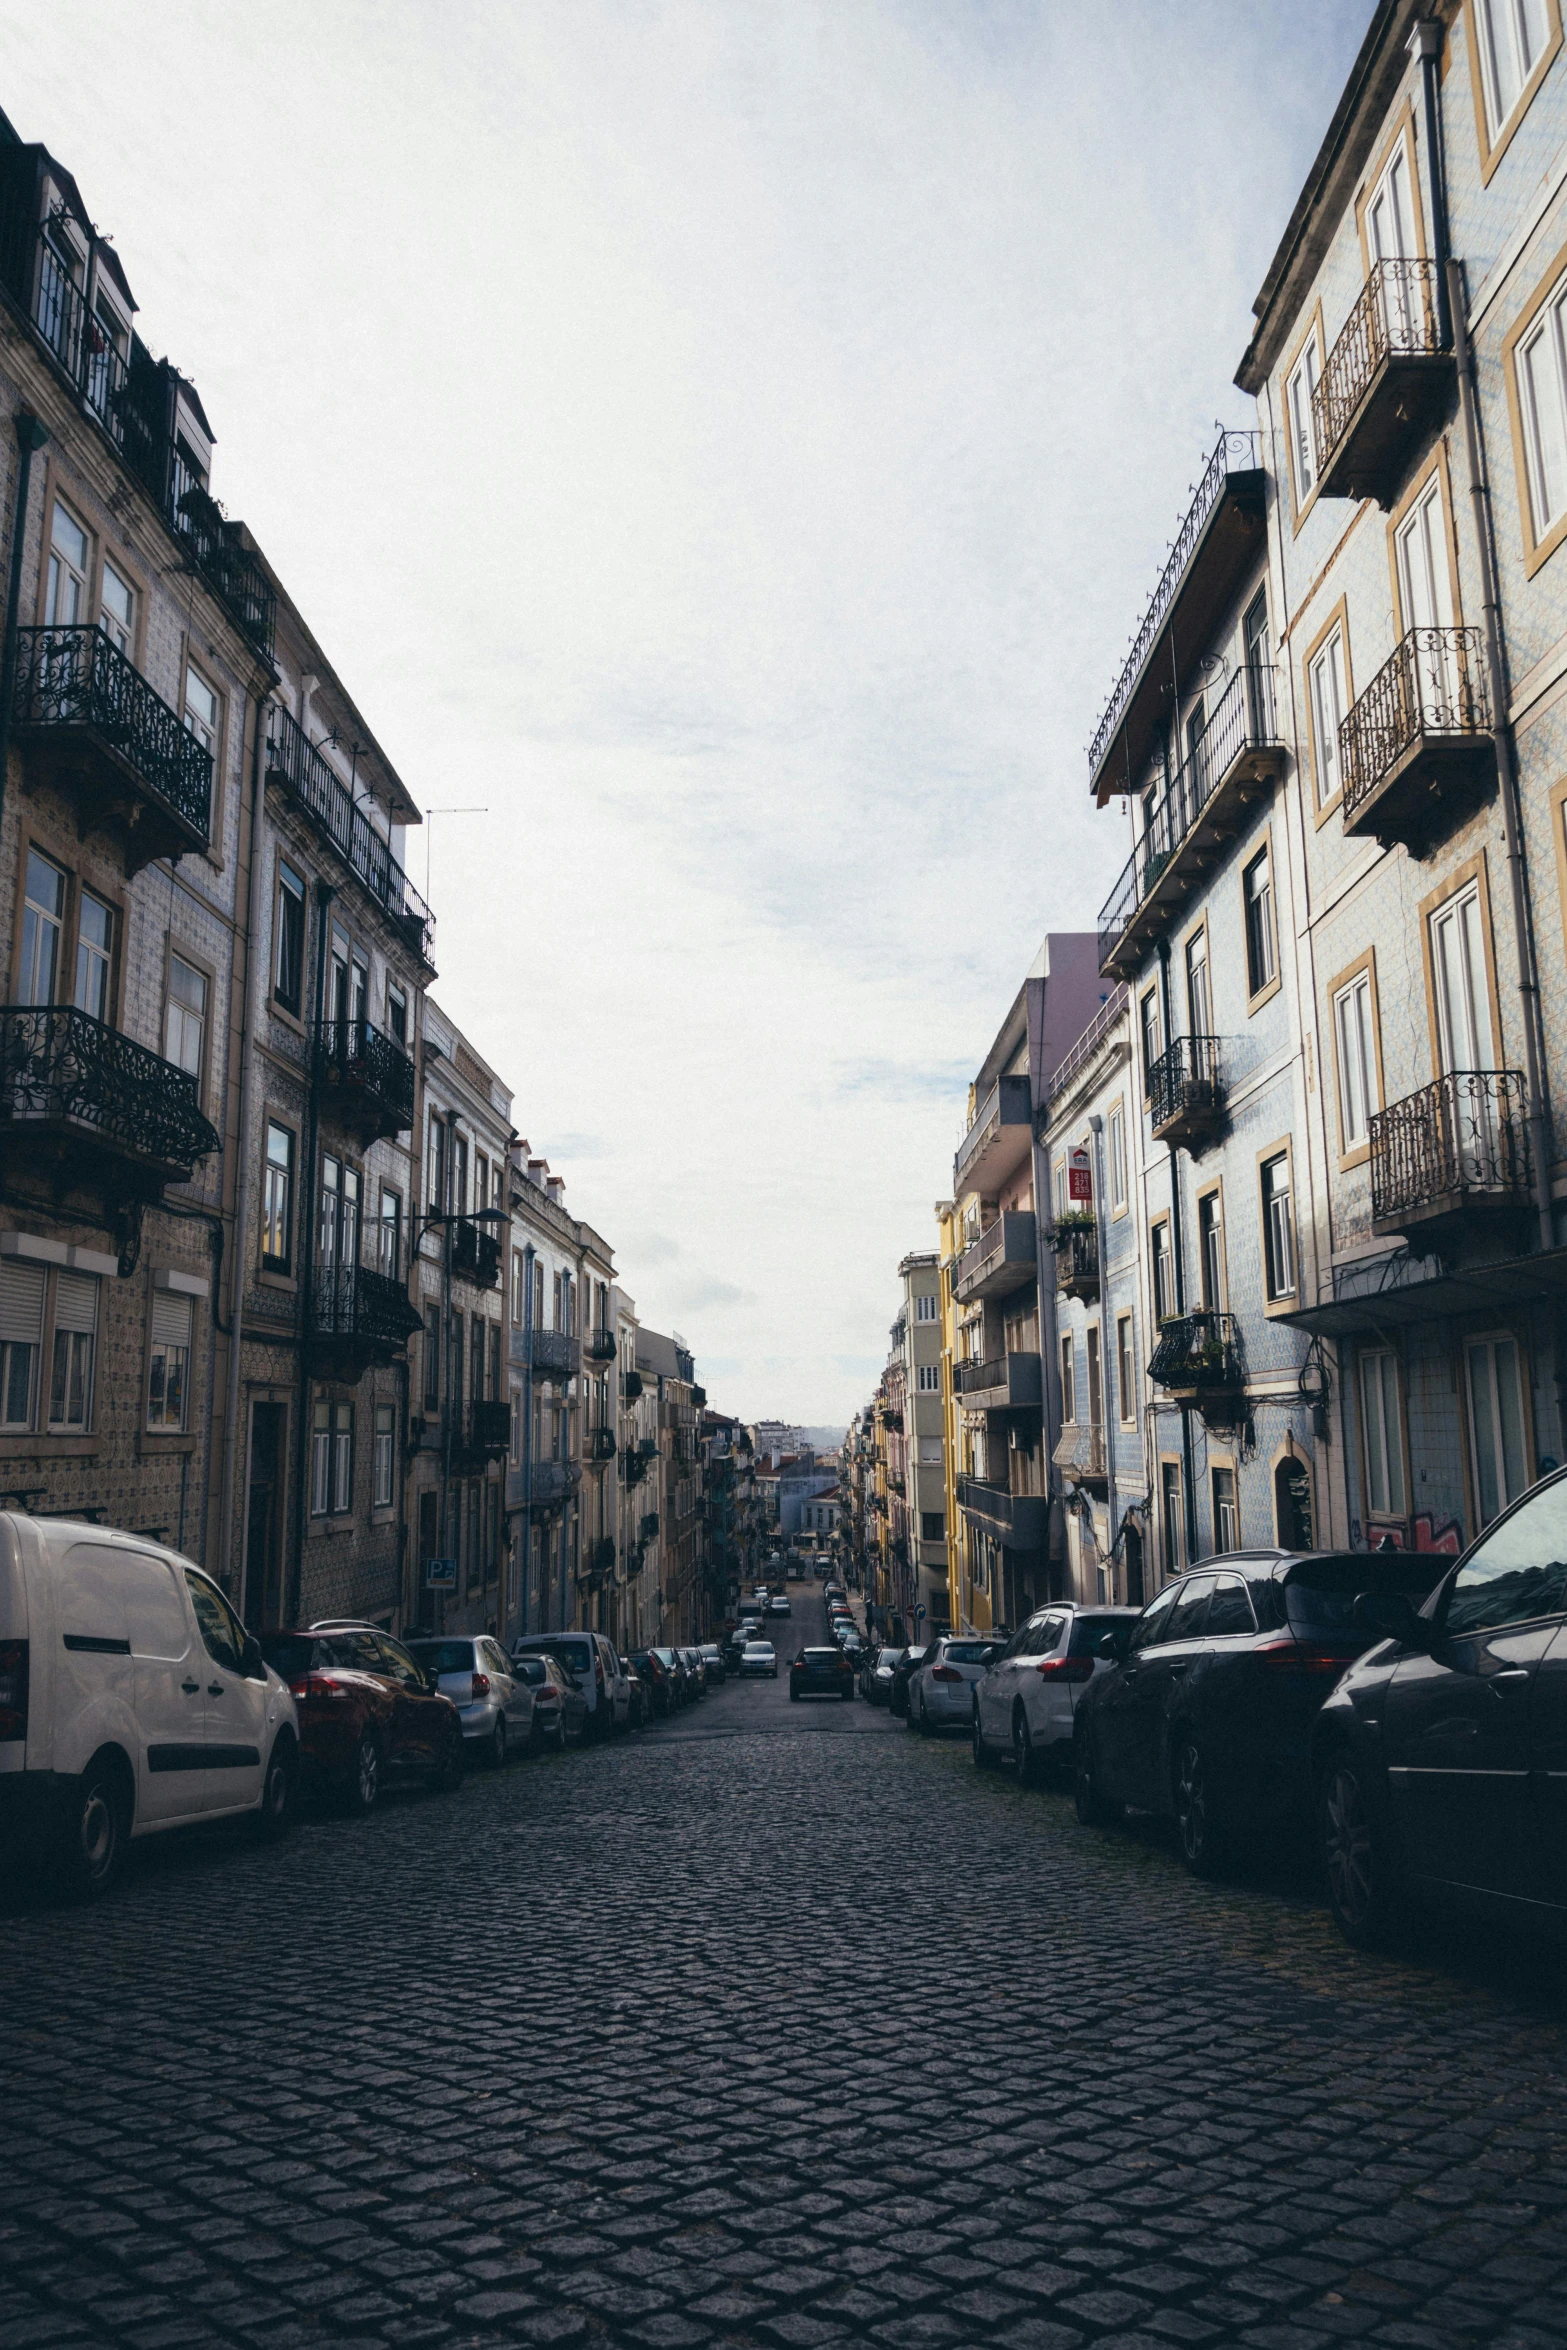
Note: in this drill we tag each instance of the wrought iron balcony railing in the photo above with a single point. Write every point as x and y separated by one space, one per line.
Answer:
1418 738
294 762
1187 1092
75 692
1460 1144
600 1555
371 1071
1371 408
1197 1354
221 555
601 1445
1077 1260
633 1467
489 1426
65 1076
631 1385
599 1346
365 1310
476 1254
648 1527
551 1354
553 1484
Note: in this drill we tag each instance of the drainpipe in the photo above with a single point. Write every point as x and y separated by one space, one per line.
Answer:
247 1064
1426 44
1096 1127
305 1225
447 1237
527 1427
1178 1276
30 435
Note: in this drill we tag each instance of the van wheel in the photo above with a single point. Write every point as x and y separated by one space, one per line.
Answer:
276 1814
97 1831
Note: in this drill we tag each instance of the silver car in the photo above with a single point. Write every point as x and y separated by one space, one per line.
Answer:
475 1673
1026 1703
758 1660
941 1686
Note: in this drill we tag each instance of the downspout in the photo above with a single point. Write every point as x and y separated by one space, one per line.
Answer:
527 1427
1426 43
1107 1355
447 1234
305 1223
1177 1273
30 435
247 1065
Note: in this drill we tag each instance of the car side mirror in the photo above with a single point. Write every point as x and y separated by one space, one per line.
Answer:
1390 1615
432 1679
1109 1649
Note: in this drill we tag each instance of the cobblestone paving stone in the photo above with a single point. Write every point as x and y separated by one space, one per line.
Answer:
772 2028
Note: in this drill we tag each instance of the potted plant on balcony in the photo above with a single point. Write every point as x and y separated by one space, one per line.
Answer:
1063 1234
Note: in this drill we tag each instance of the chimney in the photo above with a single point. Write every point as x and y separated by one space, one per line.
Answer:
555 1185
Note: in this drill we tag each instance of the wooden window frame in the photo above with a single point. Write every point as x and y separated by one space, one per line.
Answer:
1492 150
1155 1223
1283 1147
113 893
190 660
1357 1154
1338 618
274 1114
1535 551
1223 1464
1214 1190
1313 329
1270 988
1473 869
1404 127
1435 464
1126 1404
1489 1333
173 946
1383 1346
1116 1115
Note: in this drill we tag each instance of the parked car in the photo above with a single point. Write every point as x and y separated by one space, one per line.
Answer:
368 1714
476 1674
778 1605
696 1670
940 1689
657 1686
591 1661
1207 1712
851 1643
734 1642
760 1660
1440 1758
637 1692
898 1692
1025 1701
820 1672
560 1711
877 1667
132 1700
713 1666
674 1664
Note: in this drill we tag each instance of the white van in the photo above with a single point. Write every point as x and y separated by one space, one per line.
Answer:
131 1699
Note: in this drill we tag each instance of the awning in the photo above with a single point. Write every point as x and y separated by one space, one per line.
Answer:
1395 1291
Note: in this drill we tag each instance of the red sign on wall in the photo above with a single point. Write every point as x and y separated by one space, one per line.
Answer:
1079 1179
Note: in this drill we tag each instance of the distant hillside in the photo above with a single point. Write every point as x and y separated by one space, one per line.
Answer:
825 1439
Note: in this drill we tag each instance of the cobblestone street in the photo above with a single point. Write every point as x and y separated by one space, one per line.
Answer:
773 2025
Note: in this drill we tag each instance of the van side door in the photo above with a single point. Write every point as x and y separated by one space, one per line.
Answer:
171 1696
236 1705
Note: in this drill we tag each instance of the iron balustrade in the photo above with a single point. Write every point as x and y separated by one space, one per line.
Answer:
78 677
61 1067
476 1254
351 1302
601 1555
601 1444
599 1346
1234 452
553 1482
357 1053
1394 317
1077 1257
649 1526
294 762
1197 1353
1432 685
1093 1036
220 553
1464 1137
1186 1082
631 1385
489 1425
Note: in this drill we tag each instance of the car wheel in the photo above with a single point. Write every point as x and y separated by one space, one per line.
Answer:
1197 1821
560 1735
1364 1893
498 1744
447 1776
984 1760
275 1815
363 1786
91 1852
1094 1809
1023 1749
924 1717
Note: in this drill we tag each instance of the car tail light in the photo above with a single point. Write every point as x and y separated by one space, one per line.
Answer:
1288 1655
945 1673
13 1689
317 1685
481 1685
1066 1668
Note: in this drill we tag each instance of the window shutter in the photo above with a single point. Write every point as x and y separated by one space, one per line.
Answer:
21 1303
76 1302
170 1318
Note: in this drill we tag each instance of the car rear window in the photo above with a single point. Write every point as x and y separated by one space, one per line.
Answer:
967 1652
1319 1595
290 1657
1088 1631
445 1656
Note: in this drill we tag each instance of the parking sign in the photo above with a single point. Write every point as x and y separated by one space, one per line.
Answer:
440 1574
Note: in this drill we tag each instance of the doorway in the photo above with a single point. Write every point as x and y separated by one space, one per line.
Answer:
264 1519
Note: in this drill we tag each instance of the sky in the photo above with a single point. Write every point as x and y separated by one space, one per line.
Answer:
731 443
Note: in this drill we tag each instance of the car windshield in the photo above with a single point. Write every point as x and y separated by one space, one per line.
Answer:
1088 1631
288 1654
1320 1595
444 1656
967 1652
758 1648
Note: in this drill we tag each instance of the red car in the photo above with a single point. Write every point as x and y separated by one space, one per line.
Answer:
367 1714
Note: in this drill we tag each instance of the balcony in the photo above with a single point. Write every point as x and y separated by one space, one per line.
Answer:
220 553
476 1255
699 1398
1002 1383
1002 1259
95 729
296 766
550 1354
85 1106
599 1346
599 1557
1415 750
1197 1361
600 1446
1186 1094
368 1079
648 1527
486 1431
1019 1521
998 1142
1234 763
552 1484
357 1318
1385 387
1077 1259
631 1385
1217 546
1080 1453
1455 1153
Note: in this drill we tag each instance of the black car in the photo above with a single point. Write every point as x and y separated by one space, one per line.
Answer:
1441 1758
898 1691
1207 1713
658 1690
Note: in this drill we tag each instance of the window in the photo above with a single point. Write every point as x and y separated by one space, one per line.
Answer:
1125 1373
518 1263
43 921
1261 951
432 1358
288 951
1512 37
201 711
168 1374
331 1217
455 1373
185 1026
1382 1427
437 1190
478 1358
1210 1250
924 1309
1096 1407
332 1460
384 1461
1058 1187
1516 1575
481 1180
1159 1259
1155 1625
1302 383
1541 364
75 1331
459 1174
1358 1092
397 1013
1329 691
1229 1610
1118 1185
277 1198
927 1378
221 1633
1463 997
1199 1000
95 957
1226 1512
1259 669
1068 1380
933 1525
1153 1036
65 592
1496 1423
117 611
21 1336
389 1236
1277 1228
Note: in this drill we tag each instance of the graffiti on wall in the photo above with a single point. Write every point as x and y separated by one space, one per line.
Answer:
1421 1532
